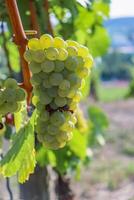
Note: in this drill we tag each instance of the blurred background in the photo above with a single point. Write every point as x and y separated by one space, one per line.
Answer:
107 28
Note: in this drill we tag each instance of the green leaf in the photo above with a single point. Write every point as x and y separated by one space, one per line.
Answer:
21 156
79 144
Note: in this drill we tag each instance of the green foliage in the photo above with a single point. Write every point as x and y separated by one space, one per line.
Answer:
99 122
21 156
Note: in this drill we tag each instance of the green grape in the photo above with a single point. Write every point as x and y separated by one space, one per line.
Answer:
60 102
82 84
12 107
49 138
80 62
72 51
34 44
83 72
39 106
38 56
53 105
11 83
73 106
54 145
71 93
46 82
83 51
72 43
44 98
9 95
74 80
52 53
73 119
68 126
46 41
41 126
64 85
63 54
62 136
44 116
20 94
88 61
52 129
35 100
55 78
59 42
28 55
59 66
35 80
35 67
63 93
71 63
52 92
19 106
66 73
57 118
47 66
77 96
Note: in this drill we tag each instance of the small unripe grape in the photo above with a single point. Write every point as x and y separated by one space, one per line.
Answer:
63 54
64 85
34 44
38 56
77 96
28 55
52 92
59 66
88 61
57 118
63 93
58 42
35 100
55 78
11 83
71 63
72 43
83 72
52 53
35 67
83 51
36 80
47 66
46 41
72 51
20 94
60 102
44 98
44 116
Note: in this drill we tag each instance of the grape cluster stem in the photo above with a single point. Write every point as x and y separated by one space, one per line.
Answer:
21 41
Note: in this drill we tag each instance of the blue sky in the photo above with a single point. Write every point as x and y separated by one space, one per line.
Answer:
122 8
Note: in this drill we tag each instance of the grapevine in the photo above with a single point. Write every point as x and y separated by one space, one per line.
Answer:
58 69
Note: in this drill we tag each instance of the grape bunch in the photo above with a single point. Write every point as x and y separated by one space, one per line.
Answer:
58 70
11 96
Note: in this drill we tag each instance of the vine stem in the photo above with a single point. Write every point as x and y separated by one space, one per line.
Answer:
20 40
49 25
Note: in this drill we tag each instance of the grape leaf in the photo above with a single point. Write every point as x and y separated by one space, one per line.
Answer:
21 156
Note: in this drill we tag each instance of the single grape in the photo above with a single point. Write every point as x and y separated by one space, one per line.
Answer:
71 93
59 42
52 92
64 85
36 80
35 67
74 80
57 118
38 56
9 95
88 61
83 72
63 93
71 63
46 82
34 44
55 78
60 102
28 55
47 66
77 97
72 51
11 83
83 51
44 98
63 54
20 94
68 126
48 138
46 41
59 66
35 100
44 116
52 129
52 53
72 43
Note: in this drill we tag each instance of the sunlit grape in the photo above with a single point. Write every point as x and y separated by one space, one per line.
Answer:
88 61
63 54
60 102
46 41
83 51
72 51
34 44
58 42
52 53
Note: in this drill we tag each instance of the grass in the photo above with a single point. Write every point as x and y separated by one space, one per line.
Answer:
112 92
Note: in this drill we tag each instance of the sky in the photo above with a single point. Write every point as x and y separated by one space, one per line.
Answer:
122 8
